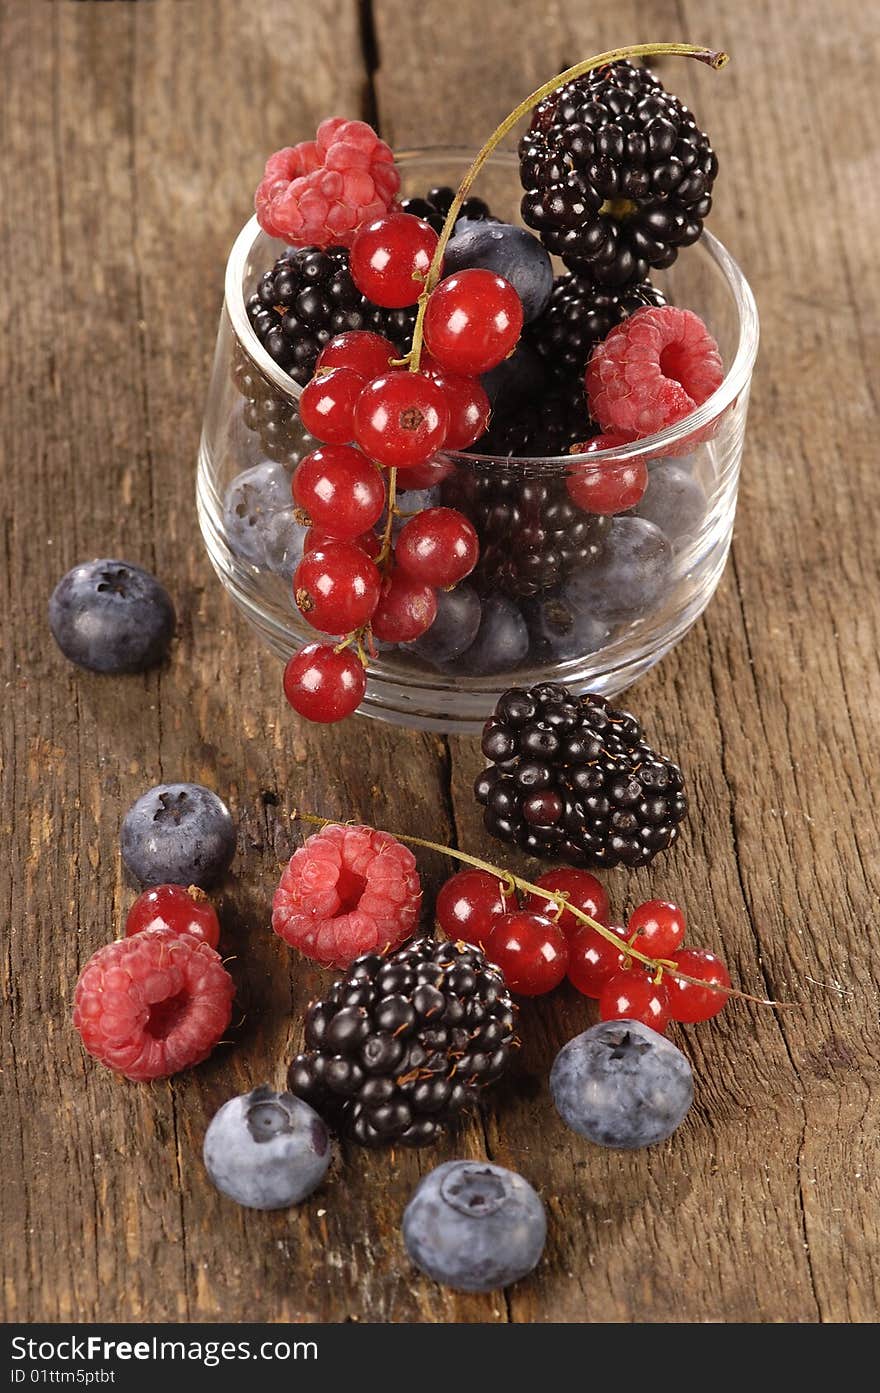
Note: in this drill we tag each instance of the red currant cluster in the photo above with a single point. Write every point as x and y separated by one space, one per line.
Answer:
382 422
541 942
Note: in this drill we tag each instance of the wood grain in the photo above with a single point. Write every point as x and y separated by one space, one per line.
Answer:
131 135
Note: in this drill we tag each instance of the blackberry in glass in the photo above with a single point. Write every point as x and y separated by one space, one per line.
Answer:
434 207
270 414
572 778
306 298
531 533
617 174
580 315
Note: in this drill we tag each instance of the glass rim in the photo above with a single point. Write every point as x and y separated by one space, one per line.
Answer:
735 379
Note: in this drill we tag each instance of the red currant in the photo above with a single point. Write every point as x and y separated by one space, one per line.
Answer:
584 891
317 538
401 419
339 489
324 685
390 259
608 487
689 1003
425 476
361 350
656 928
592 960
337 588
172 907
530 950
469 408
406 609
469 905
438 546
326 405
632 996
472 321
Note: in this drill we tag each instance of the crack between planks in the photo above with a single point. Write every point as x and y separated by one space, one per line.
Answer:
755 935
370 52
58 167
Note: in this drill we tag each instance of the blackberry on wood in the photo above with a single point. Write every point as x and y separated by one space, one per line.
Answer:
573 779
402 1043
531 533
306 298
617 174
579 316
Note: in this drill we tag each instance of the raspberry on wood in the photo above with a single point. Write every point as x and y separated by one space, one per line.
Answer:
153 1004
347 891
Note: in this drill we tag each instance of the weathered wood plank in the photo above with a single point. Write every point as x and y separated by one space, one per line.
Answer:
131 137
767 1192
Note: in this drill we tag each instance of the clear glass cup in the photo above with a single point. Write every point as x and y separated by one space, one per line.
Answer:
632 586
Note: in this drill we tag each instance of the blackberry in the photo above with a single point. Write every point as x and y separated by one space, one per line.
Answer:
306 298
548 424
435 205
531 533
402 1043
270 414
579 316
617 174
573 779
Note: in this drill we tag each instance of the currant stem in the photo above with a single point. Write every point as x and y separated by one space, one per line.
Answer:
715 60
656 965
385 550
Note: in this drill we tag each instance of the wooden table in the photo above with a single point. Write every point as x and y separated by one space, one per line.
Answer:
132 137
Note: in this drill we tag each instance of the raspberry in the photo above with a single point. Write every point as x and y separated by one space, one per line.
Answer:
652 370
320 192
153 1004
348 891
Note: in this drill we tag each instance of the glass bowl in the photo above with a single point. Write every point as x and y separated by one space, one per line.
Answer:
566 595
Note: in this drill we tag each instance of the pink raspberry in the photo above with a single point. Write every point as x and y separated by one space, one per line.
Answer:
349 890
320 192
652 370
151 1005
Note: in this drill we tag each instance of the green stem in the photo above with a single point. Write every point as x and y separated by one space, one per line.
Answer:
657 965
715 60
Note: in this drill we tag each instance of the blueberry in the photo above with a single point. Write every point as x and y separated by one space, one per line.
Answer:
111 616
266 1150
502 640
260 523
621 1085
509 251
180 834
474 1226
559 629
516 379
629 578
458 618
675 501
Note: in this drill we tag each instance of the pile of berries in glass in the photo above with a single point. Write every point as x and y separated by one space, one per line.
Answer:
424 1018
423 329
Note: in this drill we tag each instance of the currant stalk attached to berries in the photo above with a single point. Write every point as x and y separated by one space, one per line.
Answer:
711 969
